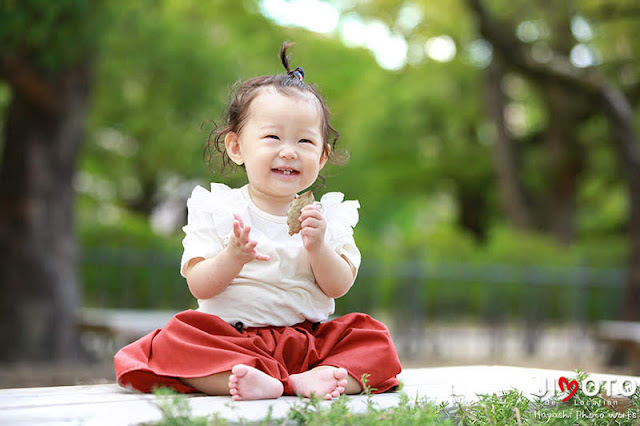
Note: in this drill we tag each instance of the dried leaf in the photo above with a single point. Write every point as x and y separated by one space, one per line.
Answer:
293 215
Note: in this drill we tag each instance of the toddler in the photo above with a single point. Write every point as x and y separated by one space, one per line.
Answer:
264 296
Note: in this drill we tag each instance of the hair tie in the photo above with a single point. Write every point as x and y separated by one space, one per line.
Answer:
298 73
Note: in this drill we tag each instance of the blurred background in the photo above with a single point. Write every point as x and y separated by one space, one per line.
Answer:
494 151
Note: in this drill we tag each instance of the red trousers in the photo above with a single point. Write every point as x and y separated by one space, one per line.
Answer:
196 344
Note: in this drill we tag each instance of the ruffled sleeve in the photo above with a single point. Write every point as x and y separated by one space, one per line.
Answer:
210 221
341 217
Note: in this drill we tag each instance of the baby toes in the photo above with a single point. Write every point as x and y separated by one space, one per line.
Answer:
340 373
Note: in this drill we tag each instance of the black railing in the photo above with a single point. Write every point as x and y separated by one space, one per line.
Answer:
133 278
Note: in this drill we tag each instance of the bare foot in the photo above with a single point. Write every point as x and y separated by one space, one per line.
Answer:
246 383
325 381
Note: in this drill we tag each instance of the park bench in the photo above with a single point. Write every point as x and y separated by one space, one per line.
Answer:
625 334
103 331
109 404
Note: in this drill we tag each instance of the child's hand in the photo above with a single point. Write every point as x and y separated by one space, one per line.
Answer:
241 246
313 227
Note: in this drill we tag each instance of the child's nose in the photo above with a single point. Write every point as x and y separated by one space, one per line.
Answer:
288 152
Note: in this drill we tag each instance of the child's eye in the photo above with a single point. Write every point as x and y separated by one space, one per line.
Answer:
273 137
305 141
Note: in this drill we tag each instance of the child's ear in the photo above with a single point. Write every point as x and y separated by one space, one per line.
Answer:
325 156
232 146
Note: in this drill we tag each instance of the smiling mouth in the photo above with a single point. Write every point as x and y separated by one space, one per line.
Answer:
285 171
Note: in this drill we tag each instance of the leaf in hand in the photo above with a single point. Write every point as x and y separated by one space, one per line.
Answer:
293 215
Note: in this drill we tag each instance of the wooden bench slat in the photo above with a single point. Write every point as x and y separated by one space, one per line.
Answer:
127 322
619 330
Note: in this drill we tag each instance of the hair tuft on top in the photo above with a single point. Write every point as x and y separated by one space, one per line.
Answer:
283 55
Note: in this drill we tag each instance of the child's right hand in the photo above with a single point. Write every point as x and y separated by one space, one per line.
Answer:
241 246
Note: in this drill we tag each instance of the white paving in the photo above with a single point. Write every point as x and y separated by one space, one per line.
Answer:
112 405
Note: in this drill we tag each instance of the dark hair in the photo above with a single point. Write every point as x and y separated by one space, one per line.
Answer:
291 84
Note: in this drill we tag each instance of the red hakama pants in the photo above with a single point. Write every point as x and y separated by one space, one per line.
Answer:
196 344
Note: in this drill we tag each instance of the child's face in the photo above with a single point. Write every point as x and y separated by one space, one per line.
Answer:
281 143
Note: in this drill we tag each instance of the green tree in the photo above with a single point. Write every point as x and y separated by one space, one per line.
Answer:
610 101
542 163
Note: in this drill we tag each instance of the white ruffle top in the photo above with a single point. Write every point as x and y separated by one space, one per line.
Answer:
281 291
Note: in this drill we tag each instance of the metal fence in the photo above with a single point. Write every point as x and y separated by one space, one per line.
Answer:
421 300
117 277
145 279
489 312
436 311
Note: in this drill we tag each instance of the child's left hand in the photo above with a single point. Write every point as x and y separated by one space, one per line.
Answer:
313 227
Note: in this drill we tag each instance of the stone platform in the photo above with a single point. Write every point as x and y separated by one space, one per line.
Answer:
110 404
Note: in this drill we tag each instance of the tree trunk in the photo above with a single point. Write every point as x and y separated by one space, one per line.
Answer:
43 131
565 158
473 212
565 162
621 118
505 158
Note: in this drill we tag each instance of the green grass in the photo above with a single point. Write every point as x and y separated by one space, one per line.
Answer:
507 408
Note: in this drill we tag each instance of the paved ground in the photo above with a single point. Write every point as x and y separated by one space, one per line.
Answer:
111 405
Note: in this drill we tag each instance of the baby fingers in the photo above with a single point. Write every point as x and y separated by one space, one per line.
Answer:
244 236
311 210
239 219
311 222
242 245
240 231
237 229
311 217
260 256
250 249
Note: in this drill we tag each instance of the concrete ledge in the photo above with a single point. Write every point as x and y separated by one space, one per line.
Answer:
112 405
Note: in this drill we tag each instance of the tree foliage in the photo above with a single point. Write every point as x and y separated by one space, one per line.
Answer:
421 138
51 34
